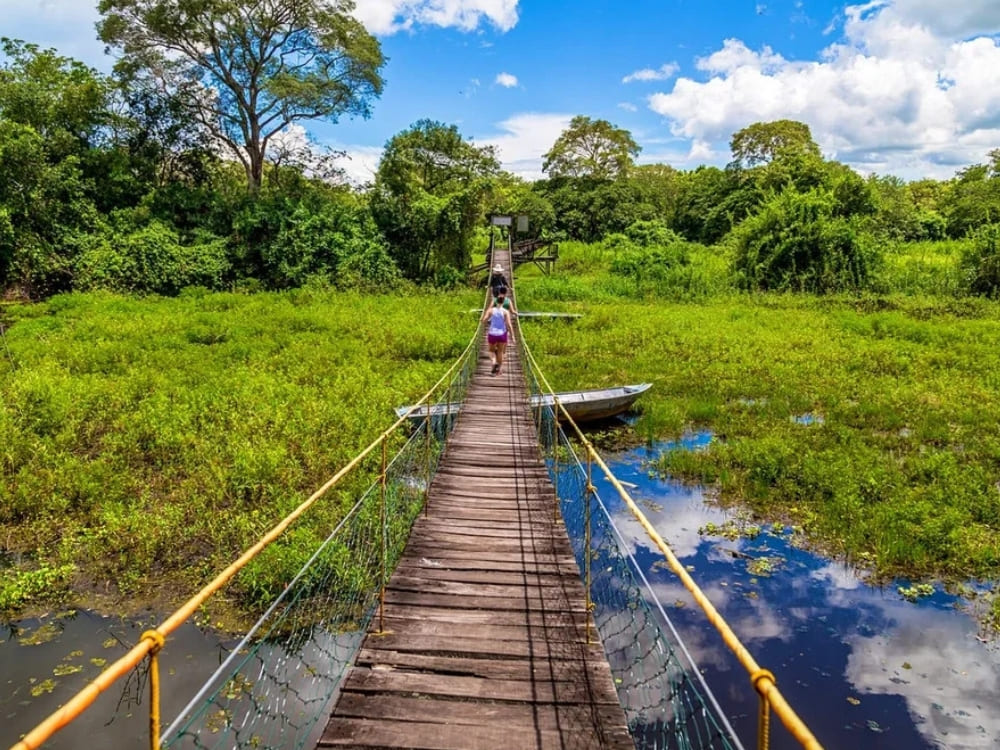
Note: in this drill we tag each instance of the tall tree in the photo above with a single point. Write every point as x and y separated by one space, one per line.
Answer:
53 110
61 99
764 142
591 148
247 70
430 193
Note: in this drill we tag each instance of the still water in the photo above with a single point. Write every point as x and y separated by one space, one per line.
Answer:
864 667
45 661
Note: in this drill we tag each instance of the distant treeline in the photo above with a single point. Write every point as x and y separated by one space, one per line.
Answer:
106 183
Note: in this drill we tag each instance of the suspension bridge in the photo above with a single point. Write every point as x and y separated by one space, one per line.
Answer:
477 594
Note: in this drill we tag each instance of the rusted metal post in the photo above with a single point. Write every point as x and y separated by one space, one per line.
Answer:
385 537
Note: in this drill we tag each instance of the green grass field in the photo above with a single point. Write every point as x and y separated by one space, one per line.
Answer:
144 443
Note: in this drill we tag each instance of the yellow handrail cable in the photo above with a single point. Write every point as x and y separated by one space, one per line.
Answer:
148 643
763 681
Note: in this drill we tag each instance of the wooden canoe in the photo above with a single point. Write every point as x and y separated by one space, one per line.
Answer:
583 406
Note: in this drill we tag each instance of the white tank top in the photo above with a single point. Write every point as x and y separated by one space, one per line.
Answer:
498 326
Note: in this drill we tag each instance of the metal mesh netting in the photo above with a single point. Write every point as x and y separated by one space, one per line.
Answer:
279 682
667 703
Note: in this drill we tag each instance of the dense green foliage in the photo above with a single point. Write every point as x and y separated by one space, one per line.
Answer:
145 443
798 242
107 182
429 197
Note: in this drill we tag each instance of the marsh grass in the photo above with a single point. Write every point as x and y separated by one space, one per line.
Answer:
924 267
144 443
873 421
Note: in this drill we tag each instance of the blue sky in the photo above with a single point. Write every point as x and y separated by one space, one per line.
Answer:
905 87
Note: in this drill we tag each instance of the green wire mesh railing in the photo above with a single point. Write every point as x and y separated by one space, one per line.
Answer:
279 682
666 701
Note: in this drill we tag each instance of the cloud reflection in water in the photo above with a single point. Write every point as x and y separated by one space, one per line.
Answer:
862 666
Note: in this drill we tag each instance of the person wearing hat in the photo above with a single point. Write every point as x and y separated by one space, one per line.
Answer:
497 280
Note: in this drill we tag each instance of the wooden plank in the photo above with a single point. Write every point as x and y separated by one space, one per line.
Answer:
549 633
511 565
362 733
483 648
463 712
486 557
469 617
491 577
488 603
502 668
542 691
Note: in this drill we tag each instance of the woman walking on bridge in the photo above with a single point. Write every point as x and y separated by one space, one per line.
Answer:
498 332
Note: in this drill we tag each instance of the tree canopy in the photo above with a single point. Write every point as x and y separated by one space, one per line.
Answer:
591 148
429 196
763 142
245 71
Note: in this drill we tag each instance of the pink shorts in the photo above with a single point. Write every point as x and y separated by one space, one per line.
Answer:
501 339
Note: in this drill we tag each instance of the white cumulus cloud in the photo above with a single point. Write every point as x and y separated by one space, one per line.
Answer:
523 139
661 73
360 163
958 20
506 80
898 94
390 16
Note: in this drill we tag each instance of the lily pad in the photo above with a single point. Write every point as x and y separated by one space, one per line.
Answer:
45 686
47 632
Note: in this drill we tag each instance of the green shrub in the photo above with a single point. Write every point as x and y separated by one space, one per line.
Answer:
797 243
981 261
151 259
448 277
652 234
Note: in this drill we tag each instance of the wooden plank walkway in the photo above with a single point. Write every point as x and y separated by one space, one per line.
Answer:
485 617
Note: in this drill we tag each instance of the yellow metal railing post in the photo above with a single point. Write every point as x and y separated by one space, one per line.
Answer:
154 686
587 540
764 715
385 540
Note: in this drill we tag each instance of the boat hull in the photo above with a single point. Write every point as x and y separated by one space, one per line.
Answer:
582 406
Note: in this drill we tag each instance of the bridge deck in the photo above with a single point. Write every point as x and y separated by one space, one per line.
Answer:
485 617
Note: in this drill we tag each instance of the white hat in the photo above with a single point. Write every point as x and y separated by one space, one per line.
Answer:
498 268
